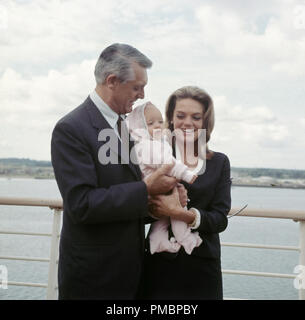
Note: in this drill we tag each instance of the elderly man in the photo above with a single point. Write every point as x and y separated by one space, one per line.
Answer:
105 204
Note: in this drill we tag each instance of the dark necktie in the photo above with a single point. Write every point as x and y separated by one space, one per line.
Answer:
124 135
122 128
125 139
119 124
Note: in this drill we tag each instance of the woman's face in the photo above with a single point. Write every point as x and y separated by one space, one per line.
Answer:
188 117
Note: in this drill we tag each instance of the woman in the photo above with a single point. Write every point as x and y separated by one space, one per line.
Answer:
198 275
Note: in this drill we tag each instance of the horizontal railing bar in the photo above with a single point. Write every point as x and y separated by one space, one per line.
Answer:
259 274
272 213
58 204
259 246
25 258
35 202
27 284
25 233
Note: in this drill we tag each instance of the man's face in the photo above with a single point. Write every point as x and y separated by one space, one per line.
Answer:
125 94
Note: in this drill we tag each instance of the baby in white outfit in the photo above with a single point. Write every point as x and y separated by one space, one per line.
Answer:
145 124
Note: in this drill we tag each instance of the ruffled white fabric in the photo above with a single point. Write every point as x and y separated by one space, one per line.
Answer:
151 155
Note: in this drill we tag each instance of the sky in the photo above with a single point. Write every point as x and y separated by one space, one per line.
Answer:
248 55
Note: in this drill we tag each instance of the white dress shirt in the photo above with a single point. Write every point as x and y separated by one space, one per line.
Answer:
110 116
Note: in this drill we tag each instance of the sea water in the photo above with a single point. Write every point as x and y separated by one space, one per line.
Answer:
240 229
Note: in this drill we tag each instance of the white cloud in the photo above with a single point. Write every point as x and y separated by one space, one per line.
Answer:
30 107
49 33
248 55
255 137
302 121
228 33
256 125
238 113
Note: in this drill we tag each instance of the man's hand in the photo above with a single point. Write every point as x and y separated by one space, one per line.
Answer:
152 211
159 182
169 205
182 194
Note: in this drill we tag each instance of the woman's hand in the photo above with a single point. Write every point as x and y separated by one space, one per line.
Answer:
182 194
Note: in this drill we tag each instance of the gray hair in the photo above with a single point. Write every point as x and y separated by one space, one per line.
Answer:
117 59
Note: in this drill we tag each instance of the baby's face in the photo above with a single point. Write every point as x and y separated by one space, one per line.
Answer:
154 120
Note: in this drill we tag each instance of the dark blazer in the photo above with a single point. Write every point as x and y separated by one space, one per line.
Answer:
196 276
102 238
211 195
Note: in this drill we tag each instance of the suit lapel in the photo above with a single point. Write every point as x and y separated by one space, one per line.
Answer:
121 149
131 150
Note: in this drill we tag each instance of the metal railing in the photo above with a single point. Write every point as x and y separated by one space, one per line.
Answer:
295 215
56 206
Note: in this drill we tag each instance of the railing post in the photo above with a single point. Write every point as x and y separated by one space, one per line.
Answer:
52 277
302 259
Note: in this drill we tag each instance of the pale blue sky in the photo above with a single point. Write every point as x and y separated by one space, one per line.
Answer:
249 55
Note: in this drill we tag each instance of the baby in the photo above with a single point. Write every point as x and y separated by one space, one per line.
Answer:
145 124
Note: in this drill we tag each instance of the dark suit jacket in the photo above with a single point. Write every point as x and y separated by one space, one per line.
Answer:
211 195
102 238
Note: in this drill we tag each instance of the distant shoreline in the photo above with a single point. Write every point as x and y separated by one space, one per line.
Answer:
267 186
12 168
254 185
26 177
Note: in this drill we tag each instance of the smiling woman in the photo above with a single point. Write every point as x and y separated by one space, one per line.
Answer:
188 110
196 274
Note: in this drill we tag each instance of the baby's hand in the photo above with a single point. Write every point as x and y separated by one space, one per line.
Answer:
182 194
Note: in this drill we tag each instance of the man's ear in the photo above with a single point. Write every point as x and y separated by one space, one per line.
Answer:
112 81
